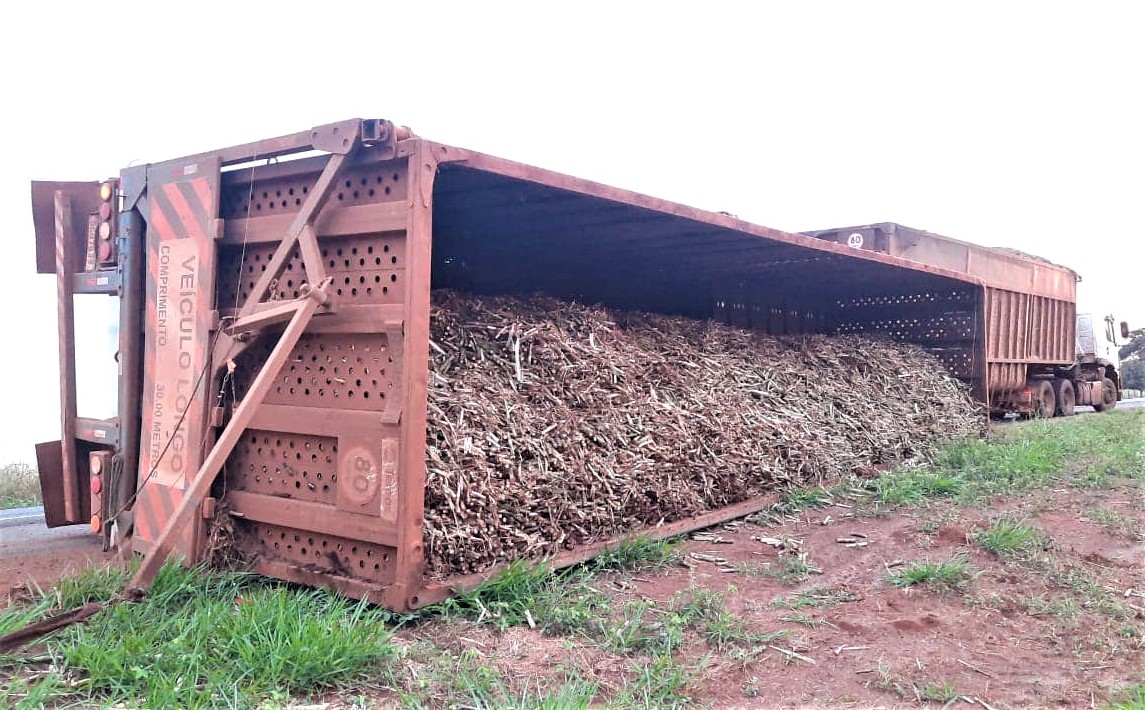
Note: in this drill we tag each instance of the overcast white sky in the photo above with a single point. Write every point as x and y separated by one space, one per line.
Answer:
1007 124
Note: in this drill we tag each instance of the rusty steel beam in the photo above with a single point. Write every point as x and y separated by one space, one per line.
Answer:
65 269
333 138
354 219
314 517
410 567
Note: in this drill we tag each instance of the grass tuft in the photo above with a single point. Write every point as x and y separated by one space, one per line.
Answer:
1129 699
19 486
816 597
637 555
559 601
1008 538
799 499
951 574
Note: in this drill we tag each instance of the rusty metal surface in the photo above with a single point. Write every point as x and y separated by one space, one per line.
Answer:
84 198
122 481
182 205
1005 269
50 465
1027 303
321 444
322 461
66 266
14 640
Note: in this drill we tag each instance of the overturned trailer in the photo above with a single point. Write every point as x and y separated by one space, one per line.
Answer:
275 310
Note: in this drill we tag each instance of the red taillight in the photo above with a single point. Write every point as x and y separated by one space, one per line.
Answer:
98 463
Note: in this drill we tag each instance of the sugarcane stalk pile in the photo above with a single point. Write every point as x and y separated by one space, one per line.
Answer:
553 424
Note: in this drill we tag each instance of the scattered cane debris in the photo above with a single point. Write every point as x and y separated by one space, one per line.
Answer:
554 424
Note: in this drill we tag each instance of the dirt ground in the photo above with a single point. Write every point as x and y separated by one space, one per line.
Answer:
42 562
1062 627
990 642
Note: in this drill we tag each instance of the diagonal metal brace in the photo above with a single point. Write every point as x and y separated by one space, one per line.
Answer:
200 485
302 233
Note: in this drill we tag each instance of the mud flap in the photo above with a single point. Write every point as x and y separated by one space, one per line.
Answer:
49 460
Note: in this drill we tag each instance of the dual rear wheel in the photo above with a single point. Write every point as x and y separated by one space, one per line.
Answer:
1053 398
1065 398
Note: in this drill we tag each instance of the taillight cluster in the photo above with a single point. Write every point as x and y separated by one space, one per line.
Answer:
99 467
106 230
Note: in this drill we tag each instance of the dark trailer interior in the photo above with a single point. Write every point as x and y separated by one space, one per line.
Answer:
531 231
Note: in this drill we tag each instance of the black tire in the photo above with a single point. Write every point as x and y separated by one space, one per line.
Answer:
1065 397
1045 403
1108 396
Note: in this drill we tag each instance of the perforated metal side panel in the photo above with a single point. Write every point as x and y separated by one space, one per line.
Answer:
336 370
316 471
288 465
332 554
941 321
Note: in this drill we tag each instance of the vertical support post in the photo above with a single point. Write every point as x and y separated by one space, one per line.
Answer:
65 262
410 563
980 362
130 352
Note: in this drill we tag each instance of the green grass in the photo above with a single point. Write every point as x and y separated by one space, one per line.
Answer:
557 601
944 693
1085 451
705 611
1129 699
802 619
951 574
566 603
1064 609
1008 538
203 639
800 499
636 555
19 486
466 679
659 682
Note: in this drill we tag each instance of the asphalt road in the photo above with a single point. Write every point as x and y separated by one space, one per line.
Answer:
22 531
1123 404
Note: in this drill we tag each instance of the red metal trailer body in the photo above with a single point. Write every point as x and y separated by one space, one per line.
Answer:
275 327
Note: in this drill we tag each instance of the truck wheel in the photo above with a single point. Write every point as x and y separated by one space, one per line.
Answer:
1044 401
1066 398
1108 396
